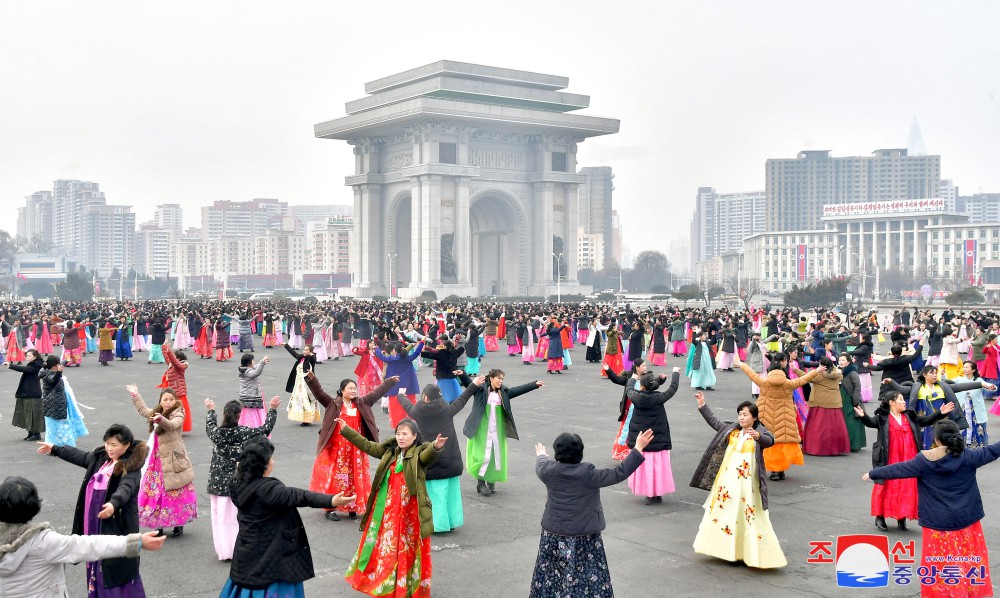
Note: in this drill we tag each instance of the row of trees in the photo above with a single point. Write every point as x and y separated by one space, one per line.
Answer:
650 273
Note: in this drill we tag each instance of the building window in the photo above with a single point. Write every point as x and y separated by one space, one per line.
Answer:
559 161
448 153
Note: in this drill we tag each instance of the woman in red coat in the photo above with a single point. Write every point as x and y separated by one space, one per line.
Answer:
174 378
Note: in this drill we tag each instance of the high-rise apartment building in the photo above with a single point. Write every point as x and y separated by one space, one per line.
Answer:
108 234
798 188
616 238
69 200
981 207
594 208
152 250
722 220
170 217
232 255
329 245
590 250
948 191
703 226
240 218
280 252
35 218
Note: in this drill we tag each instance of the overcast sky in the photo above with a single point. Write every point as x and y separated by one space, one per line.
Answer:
190 102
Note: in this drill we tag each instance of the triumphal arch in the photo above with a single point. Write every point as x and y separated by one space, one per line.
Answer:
465 181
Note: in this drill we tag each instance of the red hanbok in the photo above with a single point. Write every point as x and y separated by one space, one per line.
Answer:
202 347
897 499
368 371
613 361
14 352
343 467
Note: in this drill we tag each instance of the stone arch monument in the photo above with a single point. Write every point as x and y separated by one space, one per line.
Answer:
465 181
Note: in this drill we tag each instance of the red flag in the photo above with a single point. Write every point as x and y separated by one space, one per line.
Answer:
803 262
971 253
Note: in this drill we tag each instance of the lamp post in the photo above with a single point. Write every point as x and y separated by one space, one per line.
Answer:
391 257
840 268
558 257
135 287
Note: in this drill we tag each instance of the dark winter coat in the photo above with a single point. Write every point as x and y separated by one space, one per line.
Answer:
122 493
228 443
472 344
711 461
626 380
659 340
636 344
332 405
896 368
555 349
308 365
53 394
222 335
438 417
446 361
573 493
30 385
880 422
862 357
482 394
272 544
648 412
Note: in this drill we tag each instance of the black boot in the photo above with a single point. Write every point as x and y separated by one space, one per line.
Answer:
492 487
332 516
177 531
901 524
353 515
481 488
880 523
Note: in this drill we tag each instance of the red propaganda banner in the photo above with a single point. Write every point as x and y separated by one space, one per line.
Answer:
802 258
971 255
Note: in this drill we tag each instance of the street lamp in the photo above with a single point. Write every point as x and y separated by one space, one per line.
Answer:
558 257
840 268
391 257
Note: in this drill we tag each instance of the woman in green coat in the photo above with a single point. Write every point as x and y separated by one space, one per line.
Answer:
398 515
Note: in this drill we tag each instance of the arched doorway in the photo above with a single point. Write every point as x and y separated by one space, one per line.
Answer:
399 243
497 242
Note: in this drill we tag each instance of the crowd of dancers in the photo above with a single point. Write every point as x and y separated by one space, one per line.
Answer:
810 377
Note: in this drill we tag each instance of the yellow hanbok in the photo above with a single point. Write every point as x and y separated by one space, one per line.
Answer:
736 527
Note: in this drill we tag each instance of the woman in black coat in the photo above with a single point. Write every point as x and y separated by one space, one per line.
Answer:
435 417
620 448
306 357
446 362
28 396
272 550
654 477
108 502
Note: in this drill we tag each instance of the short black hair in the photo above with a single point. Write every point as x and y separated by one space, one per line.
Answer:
568 448
19 501
754 411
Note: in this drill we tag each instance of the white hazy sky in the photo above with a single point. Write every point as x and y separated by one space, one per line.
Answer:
190 102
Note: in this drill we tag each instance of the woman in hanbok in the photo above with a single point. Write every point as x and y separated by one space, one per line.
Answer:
798 395
825 432
929 393
394 557
678 343
223 342
950 364
15 346
140 335
554 347
699 364
108 505
167 497
339 465
613 352
399 363
490 335
850 394
654 477
489 425
182 338
203 339
251 395
445 358
63 420
658 344
620 448
898 439
369 369
527 339
319 341
302 405
736 525
862 355
512 339
41 338
270 339
123 339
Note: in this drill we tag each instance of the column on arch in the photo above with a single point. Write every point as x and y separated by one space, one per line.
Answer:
462 247
430 230
571 243
542 232
367 243
416 239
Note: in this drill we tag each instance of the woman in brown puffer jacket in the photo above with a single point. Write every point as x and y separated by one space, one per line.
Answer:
826 430
777 412
167 496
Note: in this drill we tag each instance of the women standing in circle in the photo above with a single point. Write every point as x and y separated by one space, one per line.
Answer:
28 396
826 432
394 556
489 425
736 525
898 441
571 559
228 439
168 497
437 418
654 477
950 510
272 555
107 505
340 467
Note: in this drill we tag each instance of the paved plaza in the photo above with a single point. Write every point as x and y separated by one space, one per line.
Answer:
649 548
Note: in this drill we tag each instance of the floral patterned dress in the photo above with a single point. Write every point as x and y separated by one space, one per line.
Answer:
392 560
343 467
736 527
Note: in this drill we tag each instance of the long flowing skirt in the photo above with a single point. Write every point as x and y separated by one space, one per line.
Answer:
14 352
736 527
392 559
245 342
278 589
782 455
342 467
654 477
512 348
302 405
975 435
679 348
28 415
396 411
571 566
253 417
619 448
936 548
187 413
481 460
225 527
182 340
95 569
614 362
224 354
726 360
594 353
123 349
446 503
156 354
866 387
202 347
855 429
528 350
826 433
105 356
159 507
472 366
450 389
